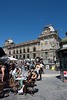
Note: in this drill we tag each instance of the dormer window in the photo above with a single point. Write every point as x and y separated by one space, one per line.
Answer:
6 42
45 30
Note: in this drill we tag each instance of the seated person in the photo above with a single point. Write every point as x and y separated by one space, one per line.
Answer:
34 75
32 78
16 75
29 74
23 85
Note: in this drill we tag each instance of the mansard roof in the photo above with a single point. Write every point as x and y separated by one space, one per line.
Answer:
24 43
28 42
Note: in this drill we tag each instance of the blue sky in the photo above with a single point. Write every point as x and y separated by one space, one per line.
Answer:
23 20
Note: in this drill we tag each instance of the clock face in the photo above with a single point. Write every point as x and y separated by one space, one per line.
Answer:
45 30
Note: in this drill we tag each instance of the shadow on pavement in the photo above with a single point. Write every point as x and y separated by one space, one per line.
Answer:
4 93
58 76
28 92
38 79
34 91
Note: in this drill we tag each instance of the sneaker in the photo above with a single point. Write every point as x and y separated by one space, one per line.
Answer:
20 91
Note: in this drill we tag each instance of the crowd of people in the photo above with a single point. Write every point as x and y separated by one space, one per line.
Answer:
31 70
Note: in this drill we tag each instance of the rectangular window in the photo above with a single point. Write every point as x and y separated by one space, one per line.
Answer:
17 51
20 56
51 54
41 46
14 52
46 54
9 52
41 54
50 44
46 44
16 56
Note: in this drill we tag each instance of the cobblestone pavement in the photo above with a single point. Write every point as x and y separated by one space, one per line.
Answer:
50 88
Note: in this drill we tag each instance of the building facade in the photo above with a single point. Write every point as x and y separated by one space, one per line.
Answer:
44 46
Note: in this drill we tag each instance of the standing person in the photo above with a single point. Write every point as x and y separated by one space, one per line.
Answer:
28 65
2 71
42 67
25 66
54 59
31 65
6 78
40 72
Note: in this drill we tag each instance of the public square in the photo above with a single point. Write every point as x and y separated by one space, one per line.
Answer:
50 88
33 49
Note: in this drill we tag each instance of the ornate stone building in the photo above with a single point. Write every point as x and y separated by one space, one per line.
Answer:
44 46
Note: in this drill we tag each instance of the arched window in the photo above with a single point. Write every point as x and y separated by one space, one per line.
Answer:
24 56
34 49
34 55
14 52
27 55
23 50
16 56
20 51
27 49
17 51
